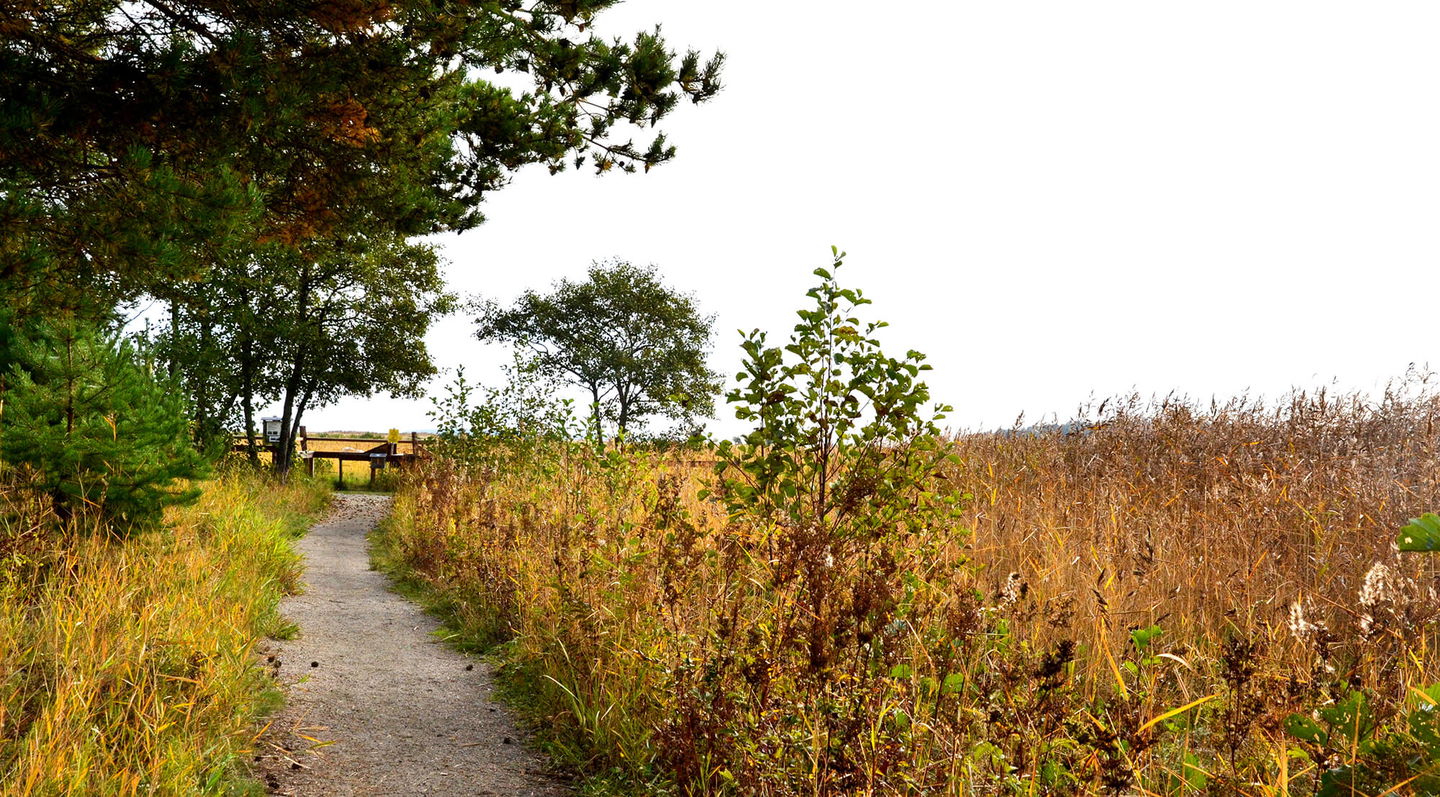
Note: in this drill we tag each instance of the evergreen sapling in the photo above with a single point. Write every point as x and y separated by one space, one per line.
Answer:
98 430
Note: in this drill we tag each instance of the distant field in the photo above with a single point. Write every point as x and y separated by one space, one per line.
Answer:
347 444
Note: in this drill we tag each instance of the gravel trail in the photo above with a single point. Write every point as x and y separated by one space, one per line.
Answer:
375 704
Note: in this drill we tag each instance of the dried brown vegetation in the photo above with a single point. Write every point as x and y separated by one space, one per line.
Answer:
1142 601
1210 520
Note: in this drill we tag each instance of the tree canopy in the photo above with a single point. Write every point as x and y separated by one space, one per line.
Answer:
635 345
348 318
140 140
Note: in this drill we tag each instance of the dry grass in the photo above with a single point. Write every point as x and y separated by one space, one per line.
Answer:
1209 519
667 648
128 666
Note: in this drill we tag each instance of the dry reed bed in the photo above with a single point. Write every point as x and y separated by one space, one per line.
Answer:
1207 519
128 666
664 642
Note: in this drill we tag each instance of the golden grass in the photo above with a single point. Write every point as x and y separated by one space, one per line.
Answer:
665 644
129 665
1208 519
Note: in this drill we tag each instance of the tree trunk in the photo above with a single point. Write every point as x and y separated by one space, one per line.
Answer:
290 432
174 365
247 384
623 421
58 499
208 421
289 418
285 446
595 413
247 379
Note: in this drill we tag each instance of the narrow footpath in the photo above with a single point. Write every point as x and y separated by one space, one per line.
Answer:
376 705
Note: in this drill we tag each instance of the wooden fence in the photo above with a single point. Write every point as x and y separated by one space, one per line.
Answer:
379 454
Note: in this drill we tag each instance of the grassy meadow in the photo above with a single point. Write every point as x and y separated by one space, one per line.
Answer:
356 476
1166 598
129 665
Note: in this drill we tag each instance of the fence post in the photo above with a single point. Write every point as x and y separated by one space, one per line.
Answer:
305 446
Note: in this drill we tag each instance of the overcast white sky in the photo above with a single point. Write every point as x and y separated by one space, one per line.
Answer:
1051 199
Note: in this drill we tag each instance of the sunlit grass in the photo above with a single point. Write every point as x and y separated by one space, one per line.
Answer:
129 665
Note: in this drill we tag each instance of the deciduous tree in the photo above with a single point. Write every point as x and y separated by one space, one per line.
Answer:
342 317
635 345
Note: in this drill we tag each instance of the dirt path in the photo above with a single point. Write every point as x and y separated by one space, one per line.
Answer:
403 713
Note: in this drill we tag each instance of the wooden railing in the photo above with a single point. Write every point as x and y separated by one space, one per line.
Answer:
380 454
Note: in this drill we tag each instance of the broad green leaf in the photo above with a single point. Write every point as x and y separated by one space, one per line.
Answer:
1424 721
1421 534
1142 637
1349 719
1195 775
1305 729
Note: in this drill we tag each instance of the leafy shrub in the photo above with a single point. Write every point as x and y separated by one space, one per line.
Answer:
1358 755
841 450
494 427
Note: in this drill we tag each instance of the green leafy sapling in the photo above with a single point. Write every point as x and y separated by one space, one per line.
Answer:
843 443
495 427
845 456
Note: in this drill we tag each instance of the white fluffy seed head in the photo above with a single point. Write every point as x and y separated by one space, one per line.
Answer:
1300 627
1381 585
1010 593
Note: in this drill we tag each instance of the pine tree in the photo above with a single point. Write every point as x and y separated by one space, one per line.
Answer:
140 141
96 428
